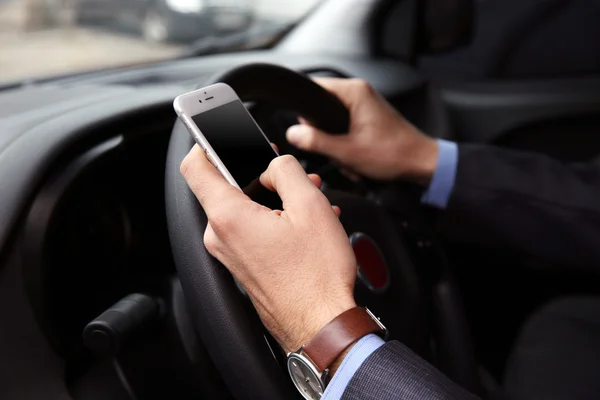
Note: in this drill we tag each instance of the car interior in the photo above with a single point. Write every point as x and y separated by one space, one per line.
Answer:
106 290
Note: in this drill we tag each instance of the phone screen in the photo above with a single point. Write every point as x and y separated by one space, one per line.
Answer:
241 147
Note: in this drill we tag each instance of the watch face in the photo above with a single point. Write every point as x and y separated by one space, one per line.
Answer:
305 377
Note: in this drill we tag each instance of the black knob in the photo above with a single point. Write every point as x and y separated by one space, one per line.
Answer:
107 333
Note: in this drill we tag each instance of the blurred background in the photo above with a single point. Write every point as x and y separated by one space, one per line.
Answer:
53 37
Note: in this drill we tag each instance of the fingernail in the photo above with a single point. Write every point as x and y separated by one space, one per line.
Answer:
295 134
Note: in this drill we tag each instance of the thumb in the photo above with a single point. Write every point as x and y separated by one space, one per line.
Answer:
309 138
286 176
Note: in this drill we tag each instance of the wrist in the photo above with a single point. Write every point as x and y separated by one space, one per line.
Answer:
420 161
336 364
312 366
309 326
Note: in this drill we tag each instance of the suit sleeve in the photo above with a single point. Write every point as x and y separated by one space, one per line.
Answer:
527 202
394 372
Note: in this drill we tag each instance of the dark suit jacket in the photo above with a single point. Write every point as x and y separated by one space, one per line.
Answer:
518 200
393 372
526 202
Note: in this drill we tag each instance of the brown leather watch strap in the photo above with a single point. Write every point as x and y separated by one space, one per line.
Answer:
337 335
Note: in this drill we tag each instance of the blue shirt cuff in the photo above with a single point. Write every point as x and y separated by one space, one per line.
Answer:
442 182
352 362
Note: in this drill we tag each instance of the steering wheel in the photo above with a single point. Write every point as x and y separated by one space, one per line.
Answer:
222 316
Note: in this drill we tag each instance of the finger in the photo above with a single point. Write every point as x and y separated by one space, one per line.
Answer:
316 180
286 176
211 241
309 138
337 211
340 87
207 183
275 147
349 91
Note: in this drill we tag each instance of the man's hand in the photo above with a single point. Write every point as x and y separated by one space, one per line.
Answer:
296 264
381 144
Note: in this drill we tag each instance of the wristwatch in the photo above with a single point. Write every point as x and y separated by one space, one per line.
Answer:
309 366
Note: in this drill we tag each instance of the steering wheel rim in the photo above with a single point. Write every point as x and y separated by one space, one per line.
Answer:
222 316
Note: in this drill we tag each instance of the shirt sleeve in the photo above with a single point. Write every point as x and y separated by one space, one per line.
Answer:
352 362
442 182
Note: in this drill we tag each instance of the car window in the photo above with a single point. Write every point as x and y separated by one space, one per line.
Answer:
41 38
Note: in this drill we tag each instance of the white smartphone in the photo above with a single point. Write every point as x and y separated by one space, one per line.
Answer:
220 124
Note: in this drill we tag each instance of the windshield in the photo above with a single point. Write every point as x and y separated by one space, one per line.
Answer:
42 38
